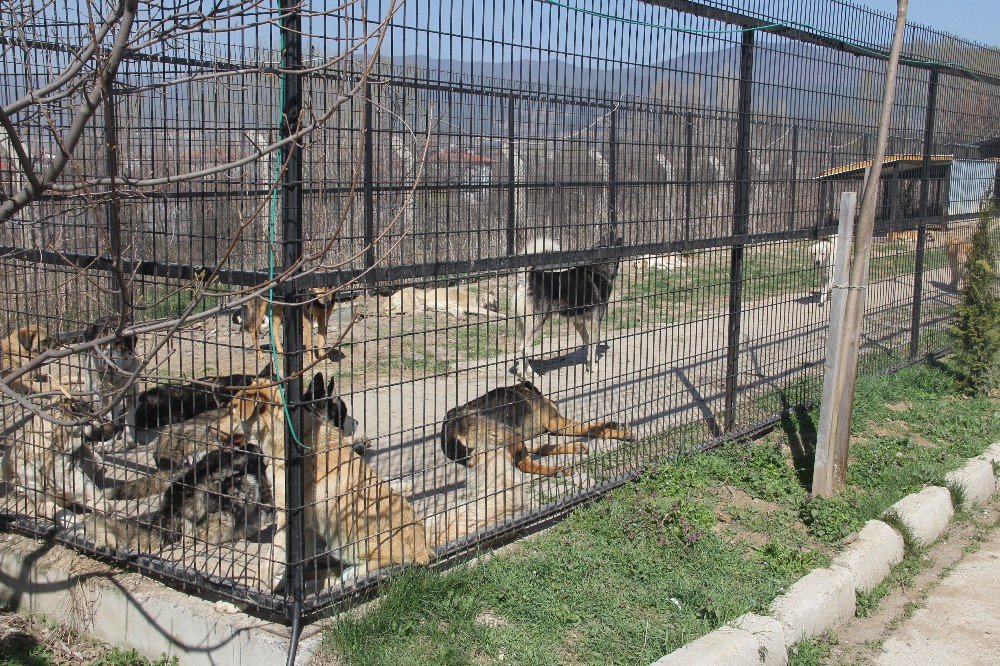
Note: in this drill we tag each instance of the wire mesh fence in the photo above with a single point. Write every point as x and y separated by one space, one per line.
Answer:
297 294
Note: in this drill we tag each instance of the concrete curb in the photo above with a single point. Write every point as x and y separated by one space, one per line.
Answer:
976 481
870 558
925 514
825 598
133 611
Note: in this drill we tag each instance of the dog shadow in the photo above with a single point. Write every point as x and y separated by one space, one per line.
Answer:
809 299
945 286
542 366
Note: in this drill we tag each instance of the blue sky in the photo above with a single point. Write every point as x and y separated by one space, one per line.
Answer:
978 20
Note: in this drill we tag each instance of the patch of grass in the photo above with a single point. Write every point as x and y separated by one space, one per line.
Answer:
686 548
119 657
901 576
629 578
811 651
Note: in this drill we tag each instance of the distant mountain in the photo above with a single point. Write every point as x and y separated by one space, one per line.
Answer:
798 81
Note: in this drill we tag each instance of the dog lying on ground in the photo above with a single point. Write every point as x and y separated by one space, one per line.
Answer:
456 301
172 403
824 254
579 293
957 250
223 497
896 236
361 518
53 465
17 349
490 436
109 388
655 262
316 311
507 418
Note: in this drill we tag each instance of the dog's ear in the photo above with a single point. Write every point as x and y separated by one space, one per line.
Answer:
315 392
531 387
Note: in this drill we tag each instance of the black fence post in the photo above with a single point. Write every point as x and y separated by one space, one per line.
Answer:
613 176
511 174
368 176
741 220
925 185
689 174
793 194
291 237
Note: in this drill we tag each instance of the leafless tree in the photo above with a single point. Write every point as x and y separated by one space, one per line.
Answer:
73 149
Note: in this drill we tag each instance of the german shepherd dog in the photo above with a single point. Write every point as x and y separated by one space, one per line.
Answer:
107 369
17 349
183 444
225 496
579 293
361 518
507 418
175 402
316 310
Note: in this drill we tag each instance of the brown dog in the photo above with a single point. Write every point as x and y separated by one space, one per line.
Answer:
957 250
362 519
896 236
17 349
316 311
507 418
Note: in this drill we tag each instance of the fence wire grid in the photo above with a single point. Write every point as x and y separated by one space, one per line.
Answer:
297 294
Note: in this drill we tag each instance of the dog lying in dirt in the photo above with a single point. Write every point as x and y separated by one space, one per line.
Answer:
656 262
364 522
455 301
491 436
19 347
507 419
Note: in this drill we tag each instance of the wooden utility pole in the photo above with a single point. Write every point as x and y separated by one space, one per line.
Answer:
832 445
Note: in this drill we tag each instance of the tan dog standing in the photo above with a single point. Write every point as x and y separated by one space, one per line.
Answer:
362 519
957 250
315 312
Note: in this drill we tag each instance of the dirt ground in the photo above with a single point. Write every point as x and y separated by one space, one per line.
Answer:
656 378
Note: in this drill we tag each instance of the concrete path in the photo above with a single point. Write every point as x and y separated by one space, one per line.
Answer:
960 622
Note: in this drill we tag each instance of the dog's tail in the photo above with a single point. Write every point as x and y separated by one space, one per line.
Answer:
540 245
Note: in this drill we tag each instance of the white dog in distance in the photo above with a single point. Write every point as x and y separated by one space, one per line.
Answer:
824 254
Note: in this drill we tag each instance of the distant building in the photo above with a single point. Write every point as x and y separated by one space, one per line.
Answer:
956 187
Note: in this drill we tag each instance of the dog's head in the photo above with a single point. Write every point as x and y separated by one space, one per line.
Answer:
32 339
822 252
455 449
249 405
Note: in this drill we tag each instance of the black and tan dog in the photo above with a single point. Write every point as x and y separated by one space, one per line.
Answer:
315 311
507 418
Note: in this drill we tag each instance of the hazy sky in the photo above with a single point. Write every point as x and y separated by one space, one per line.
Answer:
978 20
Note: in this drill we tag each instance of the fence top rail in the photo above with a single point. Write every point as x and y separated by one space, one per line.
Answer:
778 23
